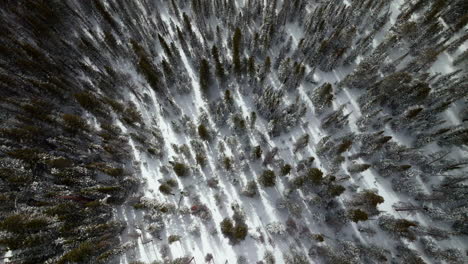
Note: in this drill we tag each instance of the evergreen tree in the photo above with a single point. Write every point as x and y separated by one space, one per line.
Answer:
205 76
251 67
164 45
236 50
219 69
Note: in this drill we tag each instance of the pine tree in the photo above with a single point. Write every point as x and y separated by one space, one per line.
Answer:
205 77
219 69
203 132
251 67
236 51
164 45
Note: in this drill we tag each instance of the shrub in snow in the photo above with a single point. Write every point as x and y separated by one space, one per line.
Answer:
285 169
267 178
180 169
226 163
204 133
173 238
235 233
318 237
209 257
240 232
165 188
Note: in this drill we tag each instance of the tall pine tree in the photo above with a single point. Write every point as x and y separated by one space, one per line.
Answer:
236 51
205 78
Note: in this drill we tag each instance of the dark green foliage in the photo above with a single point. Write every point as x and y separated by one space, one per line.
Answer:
80 254
228 97
318 237
267 65
173 238
60 163
344 146
357 215
372 198
219 69
235 233
413 112
335 190
240 231
403 225
132 116
251 67
88 101
298 181
398 227
180 169
168 73
164 45
267 178
114 172
114 104
203 132
253 118
357 168
27 154
236 51
239 123
314 175
227 163
205 76
187 23
227 227
20 223
165 188
74 123
24 133
286 169
150 72
140 206
322 97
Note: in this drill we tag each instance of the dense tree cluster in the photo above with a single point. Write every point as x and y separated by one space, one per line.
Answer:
107 107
